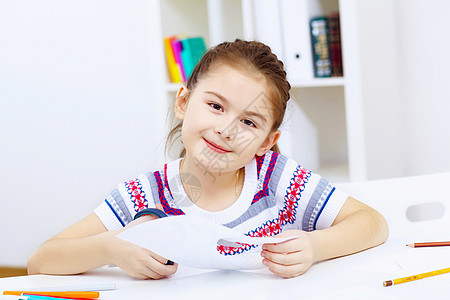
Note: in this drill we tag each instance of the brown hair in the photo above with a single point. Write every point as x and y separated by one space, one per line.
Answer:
256 57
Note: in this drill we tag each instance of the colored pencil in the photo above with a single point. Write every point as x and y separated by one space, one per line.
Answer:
415 277
78 294
429 244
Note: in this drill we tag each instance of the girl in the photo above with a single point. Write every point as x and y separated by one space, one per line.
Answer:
230 172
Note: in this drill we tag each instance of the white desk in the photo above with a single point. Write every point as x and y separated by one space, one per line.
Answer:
341 278
334 279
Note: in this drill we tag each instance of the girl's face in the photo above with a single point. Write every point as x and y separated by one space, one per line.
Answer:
227 119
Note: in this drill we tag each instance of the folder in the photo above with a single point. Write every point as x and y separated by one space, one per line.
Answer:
298 56
268 25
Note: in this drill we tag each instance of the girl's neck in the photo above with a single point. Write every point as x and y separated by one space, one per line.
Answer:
212 191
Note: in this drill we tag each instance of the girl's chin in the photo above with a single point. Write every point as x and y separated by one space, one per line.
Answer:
212 162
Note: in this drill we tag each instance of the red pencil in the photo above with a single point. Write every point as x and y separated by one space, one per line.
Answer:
429 244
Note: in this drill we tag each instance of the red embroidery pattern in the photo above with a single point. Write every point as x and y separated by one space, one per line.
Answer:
265 188
227 250
137 195
162 185
286 215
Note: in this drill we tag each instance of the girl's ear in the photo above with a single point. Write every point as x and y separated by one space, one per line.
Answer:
268 143
181 102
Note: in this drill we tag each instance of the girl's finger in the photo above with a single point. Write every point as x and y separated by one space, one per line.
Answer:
300 272
285 259
159 258
285 271
155 256
150 274
285 247
161 268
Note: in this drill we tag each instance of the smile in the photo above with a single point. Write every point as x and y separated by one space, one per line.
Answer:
216 148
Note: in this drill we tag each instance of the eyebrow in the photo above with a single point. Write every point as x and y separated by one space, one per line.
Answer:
248 112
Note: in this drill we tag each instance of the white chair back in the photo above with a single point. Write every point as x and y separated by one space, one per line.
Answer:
418 204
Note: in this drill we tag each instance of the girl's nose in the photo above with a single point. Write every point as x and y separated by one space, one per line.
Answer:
224 134
227 129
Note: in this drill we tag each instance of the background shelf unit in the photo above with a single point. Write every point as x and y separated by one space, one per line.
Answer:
341 116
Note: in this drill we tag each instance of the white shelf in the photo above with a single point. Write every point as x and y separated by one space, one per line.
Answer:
319 82
172 87
315 82
338 173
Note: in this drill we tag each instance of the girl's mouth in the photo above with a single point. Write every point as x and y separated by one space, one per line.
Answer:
216 148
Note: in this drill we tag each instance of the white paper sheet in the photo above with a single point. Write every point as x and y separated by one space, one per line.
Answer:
193 241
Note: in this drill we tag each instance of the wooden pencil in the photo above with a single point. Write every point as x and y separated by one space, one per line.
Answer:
428 244
415 277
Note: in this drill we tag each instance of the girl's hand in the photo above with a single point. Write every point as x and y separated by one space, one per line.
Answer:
137 261
291 258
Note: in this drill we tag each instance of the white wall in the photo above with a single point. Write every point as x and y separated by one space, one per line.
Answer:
403 76
424 47
380 97
80 111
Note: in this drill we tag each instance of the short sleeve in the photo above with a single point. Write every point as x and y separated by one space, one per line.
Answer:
122 203
323 206
314 201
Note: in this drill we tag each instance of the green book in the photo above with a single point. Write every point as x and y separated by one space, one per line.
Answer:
320 47
193 50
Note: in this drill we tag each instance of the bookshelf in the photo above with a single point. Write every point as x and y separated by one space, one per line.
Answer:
332 106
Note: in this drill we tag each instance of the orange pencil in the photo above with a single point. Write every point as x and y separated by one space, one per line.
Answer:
80 295
429 244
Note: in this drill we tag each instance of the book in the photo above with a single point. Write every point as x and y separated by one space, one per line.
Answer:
192 51
174 72
182 55
320 47
334 39
177 47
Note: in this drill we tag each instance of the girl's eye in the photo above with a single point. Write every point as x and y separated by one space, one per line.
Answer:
248 123
216 106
